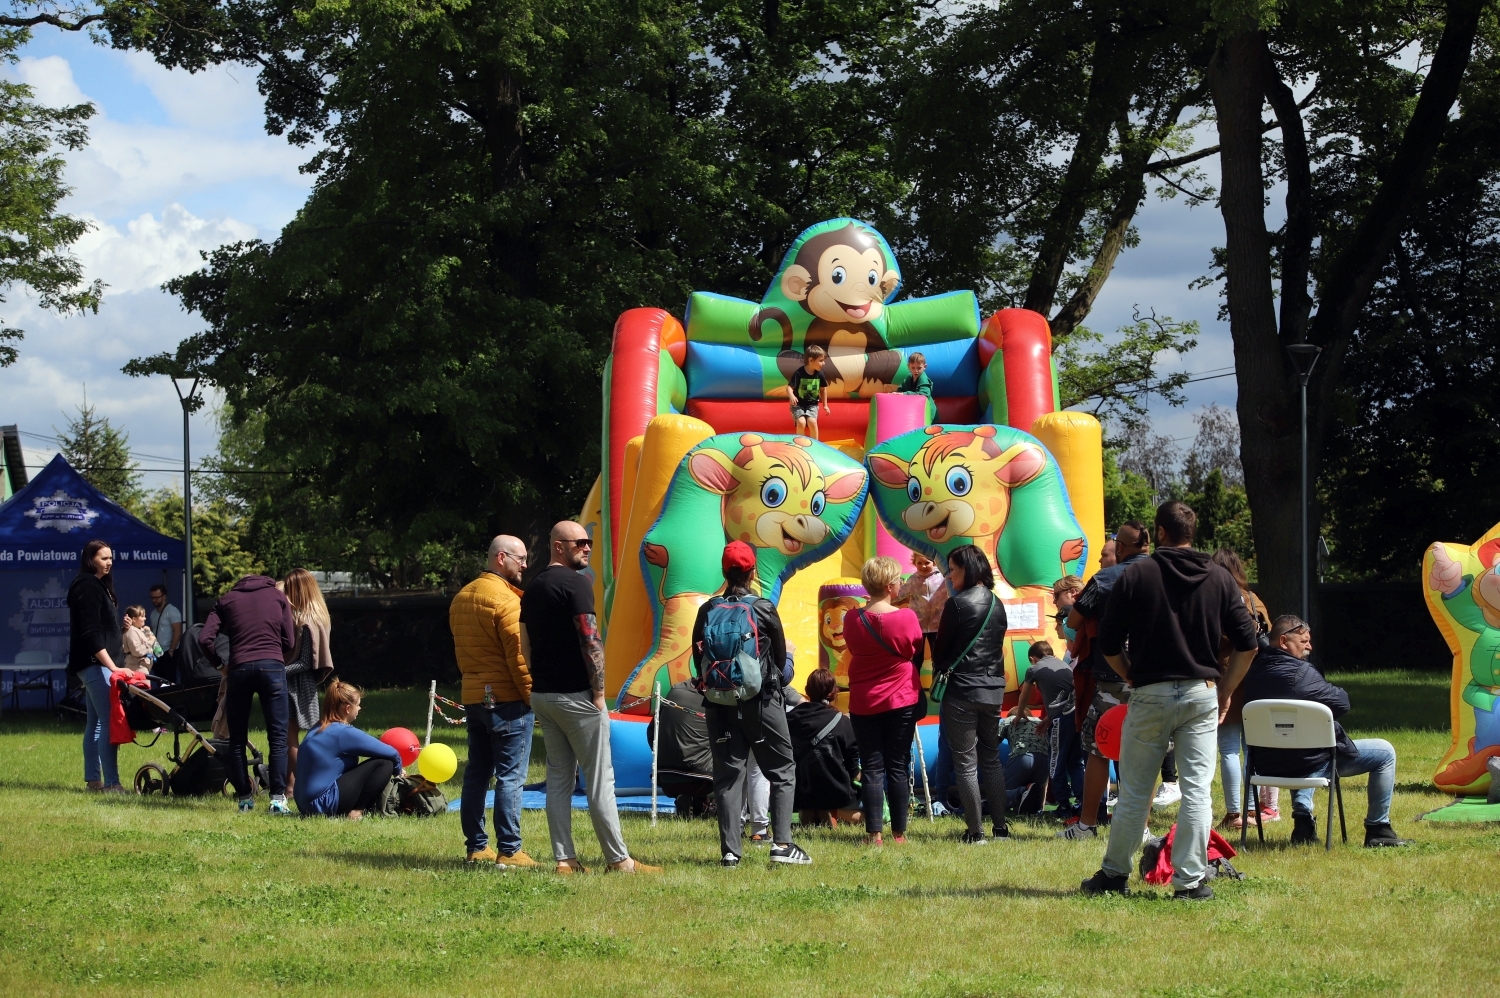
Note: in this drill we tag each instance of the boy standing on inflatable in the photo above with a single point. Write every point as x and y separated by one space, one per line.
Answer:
807 388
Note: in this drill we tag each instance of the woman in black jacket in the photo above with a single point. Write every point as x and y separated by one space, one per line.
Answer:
827 755
970 651
93 646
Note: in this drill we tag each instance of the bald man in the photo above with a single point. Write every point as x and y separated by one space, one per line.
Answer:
485 618
561 639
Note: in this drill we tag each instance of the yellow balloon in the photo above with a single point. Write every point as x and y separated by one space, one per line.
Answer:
437 763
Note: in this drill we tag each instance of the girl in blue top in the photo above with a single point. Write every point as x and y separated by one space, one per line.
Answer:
330 778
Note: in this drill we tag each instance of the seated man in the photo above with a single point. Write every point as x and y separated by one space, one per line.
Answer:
1282 673
685 769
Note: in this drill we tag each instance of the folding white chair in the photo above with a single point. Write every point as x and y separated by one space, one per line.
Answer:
1291 724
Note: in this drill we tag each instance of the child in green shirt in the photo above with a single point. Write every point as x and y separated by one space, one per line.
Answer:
917 382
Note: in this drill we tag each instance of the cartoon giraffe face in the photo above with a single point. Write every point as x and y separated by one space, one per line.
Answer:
959 482
774 494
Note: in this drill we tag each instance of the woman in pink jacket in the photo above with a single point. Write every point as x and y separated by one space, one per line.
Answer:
884 690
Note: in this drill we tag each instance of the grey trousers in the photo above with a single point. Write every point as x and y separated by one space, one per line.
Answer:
972 731
732 739
576 735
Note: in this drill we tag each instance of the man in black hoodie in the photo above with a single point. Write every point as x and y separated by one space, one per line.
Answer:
257 619
1173 608
1282 672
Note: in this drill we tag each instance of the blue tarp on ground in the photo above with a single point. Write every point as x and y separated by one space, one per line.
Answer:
536 800
42 530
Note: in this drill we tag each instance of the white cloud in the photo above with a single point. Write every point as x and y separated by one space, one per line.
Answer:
51 81
215 99
152 250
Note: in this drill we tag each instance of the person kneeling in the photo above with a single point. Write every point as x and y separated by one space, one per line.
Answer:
1282 672
330 779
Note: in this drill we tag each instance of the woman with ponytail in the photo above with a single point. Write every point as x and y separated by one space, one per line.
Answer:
330 778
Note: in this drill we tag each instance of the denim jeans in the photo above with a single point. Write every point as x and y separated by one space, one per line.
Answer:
499 747
1021 772
1181 712
1376 757
1231 768
268 679
100 756
1066 760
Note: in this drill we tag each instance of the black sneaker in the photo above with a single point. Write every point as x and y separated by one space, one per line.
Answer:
1202 892
790 853
730 860
1304 829
974 839
1378 836
1103 883
1002 831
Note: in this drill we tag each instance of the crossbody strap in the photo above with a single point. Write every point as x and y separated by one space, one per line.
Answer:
975 639
864 618
827 728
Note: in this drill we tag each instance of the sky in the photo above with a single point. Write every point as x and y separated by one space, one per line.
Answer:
179 163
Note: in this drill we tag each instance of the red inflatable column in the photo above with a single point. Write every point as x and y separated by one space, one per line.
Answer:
1026 345
635 363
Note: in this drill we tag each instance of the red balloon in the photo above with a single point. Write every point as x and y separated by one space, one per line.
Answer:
403 741
1107 731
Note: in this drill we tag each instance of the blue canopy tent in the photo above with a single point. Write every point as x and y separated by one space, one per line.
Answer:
43 529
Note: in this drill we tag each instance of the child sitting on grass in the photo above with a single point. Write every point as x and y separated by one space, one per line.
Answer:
138 640
806 388
917 382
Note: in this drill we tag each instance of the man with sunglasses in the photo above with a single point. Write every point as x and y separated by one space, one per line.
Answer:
561 641
485 618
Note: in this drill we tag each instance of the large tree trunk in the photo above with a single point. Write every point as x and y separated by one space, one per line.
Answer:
1268 405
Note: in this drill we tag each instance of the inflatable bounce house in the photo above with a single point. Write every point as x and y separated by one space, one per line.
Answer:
698 450
1462 588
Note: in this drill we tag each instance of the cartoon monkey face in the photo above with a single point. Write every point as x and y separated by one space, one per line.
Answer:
841 276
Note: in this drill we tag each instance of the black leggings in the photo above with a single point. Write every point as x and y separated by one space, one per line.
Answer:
885 764
360 788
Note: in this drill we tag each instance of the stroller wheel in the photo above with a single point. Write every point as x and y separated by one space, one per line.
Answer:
151 779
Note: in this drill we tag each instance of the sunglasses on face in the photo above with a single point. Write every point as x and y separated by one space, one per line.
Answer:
581 542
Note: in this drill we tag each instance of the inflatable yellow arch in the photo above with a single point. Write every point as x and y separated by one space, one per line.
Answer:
1461 583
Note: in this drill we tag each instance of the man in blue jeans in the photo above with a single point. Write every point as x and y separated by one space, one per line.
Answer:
1282 672
1173 608
485 618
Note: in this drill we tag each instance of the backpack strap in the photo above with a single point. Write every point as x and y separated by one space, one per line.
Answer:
827 728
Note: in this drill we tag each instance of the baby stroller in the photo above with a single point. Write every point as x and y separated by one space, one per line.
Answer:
200 770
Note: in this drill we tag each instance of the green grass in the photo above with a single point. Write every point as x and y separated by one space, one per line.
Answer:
131 896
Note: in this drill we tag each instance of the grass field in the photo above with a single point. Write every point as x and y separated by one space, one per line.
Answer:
128 896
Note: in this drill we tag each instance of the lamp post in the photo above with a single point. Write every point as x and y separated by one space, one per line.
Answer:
1304 358
189 400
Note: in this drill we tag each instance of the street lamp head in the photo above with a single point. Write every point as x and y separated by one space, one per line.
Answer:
1304 358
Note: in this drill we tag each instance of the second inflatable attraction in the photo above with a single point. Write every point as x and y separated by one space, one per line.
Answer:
698 450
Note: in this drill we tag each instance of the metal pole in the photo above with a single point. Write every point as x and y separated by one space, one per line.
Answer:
655 741
187 499
1306 589
922 765
431 700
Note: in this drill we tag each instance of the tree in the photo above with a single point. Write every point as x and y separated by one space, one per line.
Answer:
1412 454
221 552
425 339
101 454
1115 383
1355 155
1216 447
34 234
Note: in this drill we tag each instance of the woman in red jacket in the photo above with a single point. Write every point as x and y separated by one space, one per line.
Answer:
884 690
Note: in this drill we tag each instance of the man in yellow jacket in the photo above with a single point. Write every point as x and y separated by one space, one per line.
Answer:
485 618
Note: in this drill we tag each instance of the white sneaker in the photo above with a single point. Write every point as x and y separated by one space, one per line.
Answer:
1078 831
1111 801
1166 795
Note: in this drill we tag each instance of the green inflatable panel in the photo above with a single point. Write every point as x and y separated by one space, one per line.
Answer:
793 499
941 487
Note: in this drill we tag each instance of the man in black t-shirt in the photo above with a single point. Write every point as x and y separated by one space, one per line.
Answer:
561 642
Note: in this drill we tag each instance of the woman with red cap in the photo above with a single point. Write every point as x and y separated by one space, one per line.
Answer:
755 723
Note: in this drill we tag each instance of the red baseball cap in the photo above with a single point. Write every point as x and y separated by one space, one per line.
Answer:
738 555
